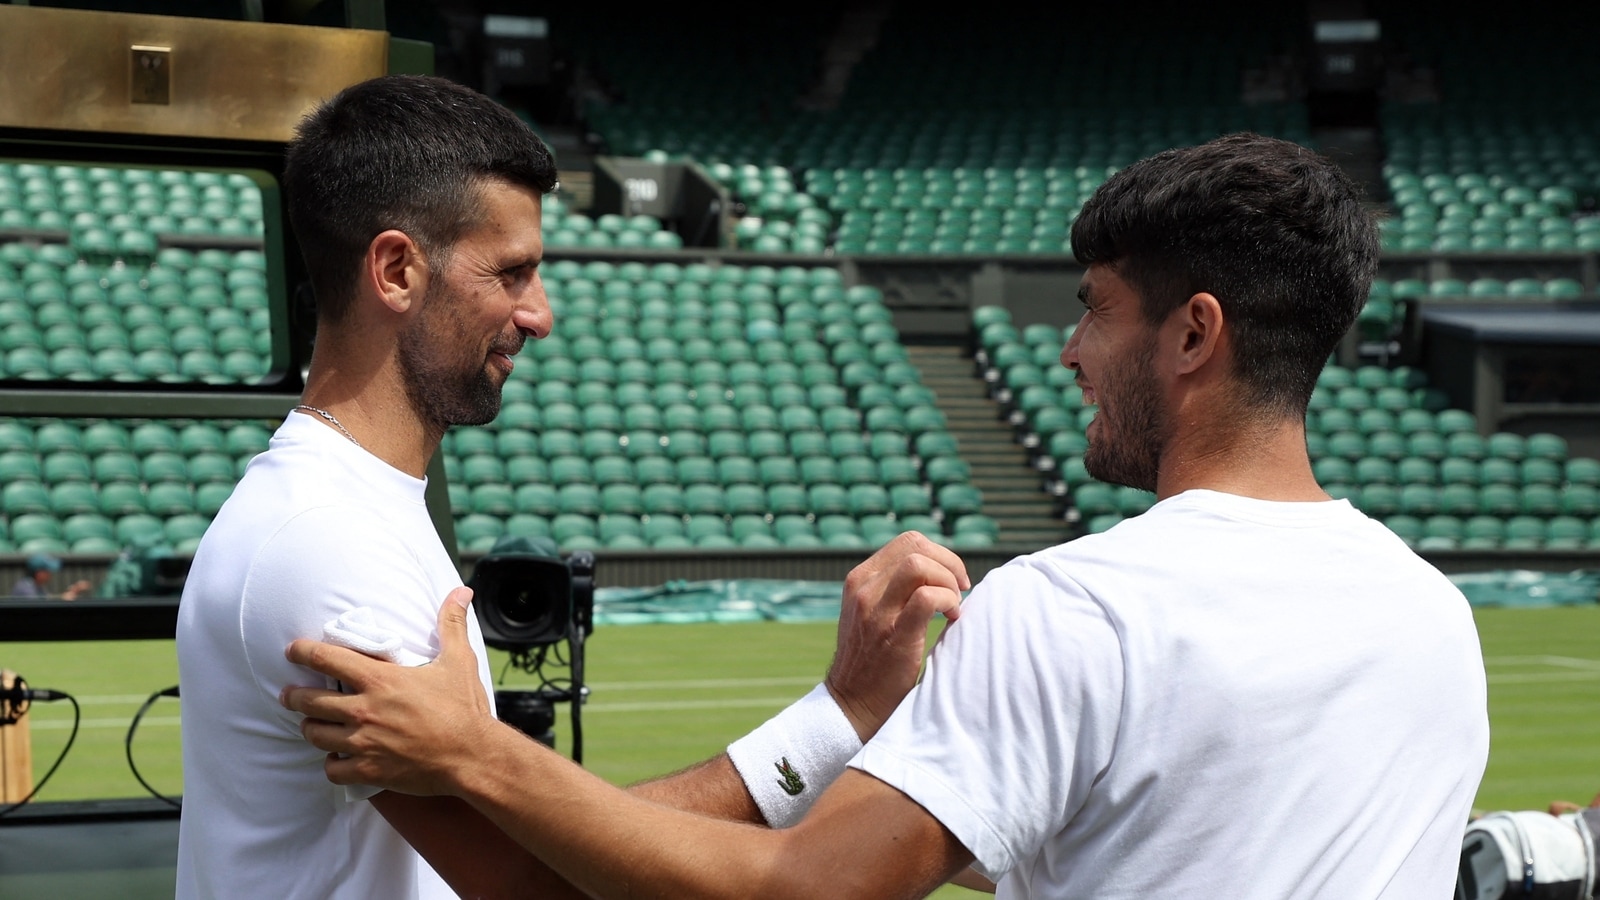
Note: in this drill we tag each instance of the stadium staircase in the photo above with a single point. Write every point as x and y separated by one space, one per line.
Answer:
1012 489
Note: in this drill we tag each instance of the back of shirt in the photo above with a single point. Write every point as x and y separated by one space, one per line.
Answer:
1223 697
316 527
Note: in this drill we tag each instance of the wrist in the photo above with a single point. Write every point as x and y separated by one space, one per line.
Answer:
469 773
791 759
862 721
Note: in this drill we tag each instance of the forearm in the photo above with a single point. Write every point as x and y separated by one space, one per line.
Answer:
712 788
468 851
971 880
613 843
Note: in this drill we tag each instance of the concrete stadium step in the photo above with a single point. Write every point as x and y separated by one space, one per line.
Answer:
1013 491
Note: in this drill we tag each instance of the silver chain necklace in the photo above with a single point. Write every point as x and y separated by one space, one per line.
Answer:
332 421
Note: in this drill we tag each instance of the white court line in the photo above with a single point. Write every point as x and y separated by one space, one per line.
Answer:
115 699
709 684
1541 678
706 684
1565 662
119 724
600 706
773 703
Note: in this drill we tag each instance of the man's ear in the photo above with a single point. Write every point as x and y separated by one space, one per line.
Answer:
1200 326
395 270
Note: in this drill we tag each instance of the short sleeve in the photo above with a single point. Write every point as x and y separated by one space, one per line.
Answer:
322 564
1015 717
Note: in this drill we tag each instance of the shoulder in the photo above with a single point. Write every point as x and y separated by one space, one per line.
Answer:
1033 606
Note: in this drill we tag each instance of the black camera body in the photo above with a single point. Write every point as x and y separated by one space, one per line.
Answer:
529 601
527 596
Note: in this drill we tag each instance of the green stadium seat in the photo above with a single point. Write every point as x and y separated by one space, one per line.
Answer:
139 528
1499 499
622 499
1495 470
1540 500
1543 446
65 465
21 497
1506 445
1372 470
527 525
1457 470
574 531
83 527
577 498
536 499
169 499
787 499
1524 533
1581 500
184 531
1482 532
744 500
209 497
1458 499
1466 445
827 498
1566 533
708 530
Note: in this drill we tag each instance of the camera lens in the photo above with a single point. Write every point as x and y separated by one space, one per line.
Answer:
527 608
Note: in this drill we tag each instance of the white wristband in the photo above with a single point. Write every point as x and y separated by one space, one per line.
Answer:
790 760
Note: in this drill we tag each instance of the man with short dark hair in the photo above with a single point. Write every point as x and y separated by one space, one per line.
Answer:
417 204
1249 691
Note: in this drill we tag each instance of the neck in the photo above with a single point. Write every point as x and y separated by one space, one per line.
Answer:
366 396
1263 460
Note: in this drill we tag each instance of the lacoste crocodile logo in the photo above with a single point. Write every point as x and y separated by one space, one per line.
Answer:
791 783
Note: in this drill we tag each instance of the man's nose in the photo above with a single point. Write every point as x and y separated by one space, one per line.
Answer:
1069 353
533 316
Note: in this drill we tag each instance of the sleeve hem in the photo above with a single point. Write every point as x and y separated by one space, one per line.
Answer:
993 858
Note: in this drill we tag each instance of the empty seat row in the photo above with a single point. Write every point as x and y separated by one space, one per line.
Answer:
793 531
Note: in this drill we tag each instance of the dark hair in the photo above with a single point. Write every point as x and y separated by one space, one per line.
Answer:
1277 233
406 152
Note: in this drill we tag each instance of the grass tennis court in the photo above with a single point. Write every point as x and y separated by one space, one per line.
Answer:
665 696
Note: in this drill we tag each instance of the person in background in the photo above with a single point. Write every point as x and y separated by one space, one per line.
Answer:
35 585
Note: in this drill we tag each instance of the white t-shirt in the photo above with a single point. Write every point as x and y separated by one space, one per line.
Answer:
1223 697
317 527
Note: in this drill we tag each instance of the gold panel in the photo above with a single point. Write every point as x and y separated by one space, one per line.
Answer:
134 74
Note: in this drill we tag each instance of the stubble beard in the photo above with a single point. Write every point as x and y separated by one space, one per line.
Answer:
1132 415
444 391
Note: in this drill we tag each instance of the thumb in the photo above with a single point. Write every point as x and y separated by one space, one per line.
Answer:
453 623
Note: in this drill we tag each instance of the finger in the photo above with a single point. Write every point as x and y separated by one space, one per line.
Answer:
343 665
920 608
914 543
317 703
914 572
906 543
453 613
341 770
329 736
946 557
1562 806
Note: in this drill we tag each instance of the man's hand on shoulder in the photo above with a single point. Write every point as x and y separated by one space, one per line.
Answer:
407 729
883 625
